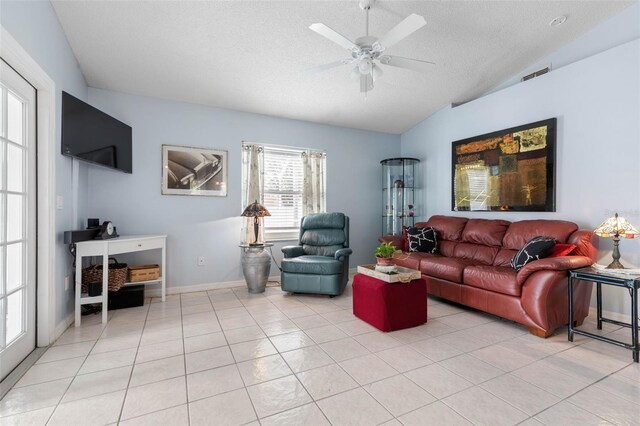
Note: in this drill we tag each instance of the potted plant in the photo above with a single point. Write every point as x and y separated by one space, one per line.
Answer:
384 252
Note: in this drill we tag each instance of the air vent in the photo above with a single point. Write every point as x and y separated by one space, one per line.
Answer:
537 73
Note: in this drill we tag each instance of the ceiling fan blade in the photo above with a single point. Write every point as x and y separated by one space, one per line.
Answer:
324 67
409 25
366 83
332 35
407 63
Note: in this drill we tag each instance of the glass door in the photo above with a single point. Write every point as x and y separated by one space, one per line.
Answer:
17 219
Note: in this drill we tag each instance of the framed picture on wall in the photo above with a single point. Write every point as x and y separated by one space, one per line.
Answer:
508 170
194 171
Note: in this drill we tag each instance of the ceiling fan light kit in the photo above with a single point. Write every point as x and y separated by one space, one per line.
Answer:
367 51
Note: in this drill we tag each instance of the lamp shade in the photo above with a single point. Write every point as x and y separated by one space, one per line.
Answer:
616 226
255 209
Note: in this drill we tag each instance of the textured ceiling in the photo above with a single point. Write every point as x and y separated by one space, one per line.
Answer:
250 55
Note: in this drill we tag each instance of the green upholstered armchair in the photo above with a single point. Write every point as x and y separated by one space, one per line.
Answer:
320 262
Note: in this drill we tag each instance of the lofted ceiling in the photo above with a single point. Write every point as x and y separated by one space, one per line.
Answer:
251 55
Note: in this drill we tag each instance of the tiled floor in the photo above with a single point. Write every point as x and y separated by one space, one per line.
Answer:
230 358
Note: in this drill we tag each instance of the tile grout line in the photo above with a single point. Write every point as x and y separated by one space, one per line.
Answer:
133 366
402 344
235 364
184 360
103 326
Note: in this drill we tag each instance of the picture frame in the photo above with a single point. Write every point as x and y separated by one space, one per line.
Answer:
508 170
194 171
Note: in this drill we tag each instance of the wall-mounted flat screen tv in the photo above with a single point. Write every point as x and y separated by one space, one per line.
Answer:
91 135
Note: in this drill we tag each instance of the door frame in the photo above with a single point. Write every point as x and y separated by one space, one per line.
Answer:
29 69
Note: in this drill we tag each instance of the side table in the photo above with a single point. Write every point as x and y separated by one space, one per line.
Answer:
256 265
608 277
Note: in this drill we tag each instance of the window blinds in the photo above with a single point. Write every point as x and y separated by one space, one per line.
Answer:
283 189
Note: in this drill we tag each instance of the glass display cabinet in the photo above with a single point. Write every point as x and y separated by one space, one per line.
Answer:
399 194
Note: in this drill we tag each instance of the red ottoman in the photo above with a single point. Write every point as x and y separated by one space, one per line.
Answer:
388 306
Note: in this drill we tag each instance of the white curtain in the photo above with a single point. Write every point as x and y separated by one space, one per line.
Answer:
313 197
253 188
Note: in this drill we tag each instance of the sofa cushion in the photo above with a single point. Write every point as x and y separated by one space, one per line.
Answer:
422 240
320 265
446 268
520 232
503 258
536 248
488 232
449 228
475 252
499 279
410 260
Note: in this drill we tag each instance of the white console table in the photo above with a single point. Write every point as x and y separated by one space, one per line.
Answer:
110 247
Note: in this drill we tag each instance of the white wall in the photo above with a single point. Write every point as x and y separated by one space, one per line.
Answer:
210 226
34 25
597 103
615 31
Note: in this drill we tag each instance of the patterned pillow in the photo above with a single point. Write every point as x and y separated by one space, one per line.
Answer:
423 240
535 249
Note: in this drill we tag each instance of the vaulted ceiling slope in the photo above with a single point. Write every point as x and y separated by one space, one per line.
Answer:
251 55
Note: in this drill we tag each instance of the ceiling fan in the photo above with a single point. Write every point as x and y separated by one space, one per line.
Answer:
368 52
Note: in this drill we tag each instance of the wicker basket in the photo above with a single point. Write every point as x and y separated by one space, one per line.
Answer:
117 275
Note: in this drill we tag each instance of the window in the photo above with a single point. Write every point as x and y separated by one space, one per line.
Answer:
292 184
283 192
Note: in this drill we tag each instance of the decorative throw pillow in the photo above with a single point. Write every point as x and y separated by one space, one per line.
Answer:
423 240
405 238
562 250
536 248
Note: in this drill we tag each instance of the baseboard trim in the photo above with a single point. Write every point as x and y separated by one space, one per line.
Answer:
617 316
62 327
155 291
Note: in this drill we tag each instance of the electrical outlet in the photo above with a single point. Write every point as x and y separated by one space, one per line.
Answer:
66 283
59 202
200 260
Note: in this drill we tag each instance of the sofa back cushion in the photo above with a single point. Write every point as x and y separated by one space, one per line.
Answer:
488 232
476 252
447 248
448 227
504 256
520 232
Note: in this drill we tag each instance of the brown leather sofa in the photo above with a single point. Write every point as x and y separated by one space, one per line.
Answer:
473 268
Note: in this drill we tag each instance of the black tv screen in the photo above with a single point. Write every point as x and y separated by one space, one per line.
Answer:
91 135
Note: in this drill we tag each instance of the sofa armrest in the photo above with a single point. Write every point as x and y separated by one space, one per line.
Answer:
396 240
545 296
562 263
342 253
292 251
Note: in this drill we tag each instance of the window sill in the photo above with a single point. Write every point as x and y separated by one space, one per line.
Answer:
283 235
280 240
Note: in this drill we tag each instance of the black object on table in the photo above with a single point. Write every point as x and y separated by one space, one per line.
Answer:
608 277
